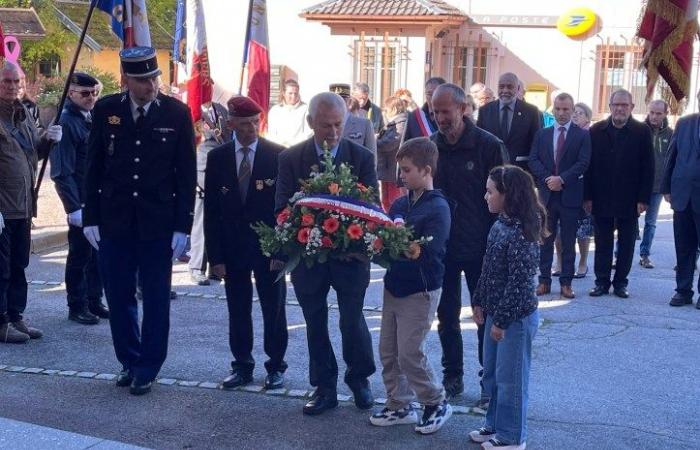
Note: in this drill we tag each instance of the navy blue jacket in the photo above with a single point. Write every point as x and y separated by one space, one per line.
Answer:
682 171
69 157
228 236
429 217
573 164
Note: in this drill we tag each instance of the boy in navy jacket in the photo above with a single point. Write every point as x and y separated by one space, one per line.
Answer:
411 295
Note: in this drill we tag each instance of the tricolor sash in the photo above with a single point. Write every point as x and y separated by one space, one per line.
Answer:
423 122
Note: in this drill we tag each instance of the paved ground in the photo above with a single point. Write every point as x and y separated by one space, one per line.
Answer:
607 373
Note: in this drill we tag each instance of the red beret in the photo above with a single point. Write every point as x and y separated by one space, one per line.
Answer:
241 106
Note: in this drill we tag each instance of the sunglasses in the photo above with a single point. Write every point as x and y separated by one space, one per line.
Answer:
86 94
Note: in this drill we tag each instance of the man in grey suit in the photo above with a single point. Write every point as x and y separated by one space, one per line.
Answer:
357 129
214 118
681 188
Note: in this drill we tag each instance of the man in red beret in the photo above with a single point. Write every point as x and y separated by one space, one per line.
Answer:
239 190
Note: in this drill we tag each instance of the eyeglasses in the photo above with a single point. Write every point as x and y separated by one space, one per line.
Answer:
86 94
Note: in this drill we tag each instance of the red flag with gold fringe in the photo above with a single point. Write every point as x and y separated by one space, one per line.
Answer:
668 28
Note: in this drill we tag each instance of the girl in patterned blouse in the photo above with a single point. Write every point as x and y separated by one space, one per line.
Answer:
505 300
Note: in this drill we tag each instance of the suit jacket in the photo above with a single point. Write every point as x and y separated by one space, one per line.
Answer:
140 181
228 237
682 171
525 123
295 165
359 130
621 172
572 165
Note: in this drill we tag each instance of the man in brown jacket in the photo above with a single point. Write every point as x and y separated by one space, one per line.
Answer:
20 149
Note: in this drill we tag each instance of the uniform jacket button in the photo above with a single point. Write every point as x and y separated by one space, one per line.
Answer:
137 160
136 194
136 177
138 142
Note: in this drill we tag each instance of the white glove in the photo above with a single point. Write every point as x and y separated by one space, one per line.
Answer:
178 244
2 223
54 133
76 218
92 234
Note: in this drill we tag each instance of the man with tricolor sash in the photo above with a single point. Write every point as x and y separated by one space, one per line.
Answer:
421 122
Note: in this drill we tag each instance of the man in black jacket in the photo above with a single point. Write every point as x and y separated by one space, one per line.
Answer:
560 156
467 155
239 191
68 165
514 121
617 189
139 202
349 278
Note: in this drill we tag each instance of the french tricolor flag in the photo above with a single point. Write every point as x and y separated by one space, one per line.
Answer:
257 58
199 85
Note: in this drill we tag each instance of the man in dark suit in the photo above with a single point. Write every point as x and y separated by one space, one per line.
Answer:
681 188
512 120
349 277
239 192
617 189
559 158
139 201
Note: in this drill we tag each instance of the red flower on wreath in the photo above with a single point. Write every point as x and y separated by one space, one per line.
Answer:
331 225
307 220
378 244
354 231
283 216
326 242
371 227
303 235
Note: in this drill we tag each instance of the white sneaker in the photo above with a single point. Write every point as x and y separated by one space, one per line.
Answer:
434 417
495 443
387 417
481 435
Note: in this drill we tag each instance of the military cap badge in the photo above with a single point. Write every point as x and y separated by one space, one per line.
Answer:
114 120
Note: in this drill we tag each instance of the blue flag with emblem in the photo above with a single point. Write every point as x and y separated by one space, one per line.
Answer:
115 8
179 49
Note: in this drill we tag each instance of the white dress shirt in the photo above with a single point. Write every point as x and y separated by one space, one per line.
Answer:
555 136
239 153
134 109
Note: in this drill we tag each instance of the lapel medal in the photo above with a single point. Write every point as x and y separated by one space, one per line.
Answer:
224 190
269 182
114 120
259 185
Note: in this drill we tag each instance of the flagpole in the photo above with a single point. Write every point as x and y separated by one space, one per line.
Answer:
66 86
246 45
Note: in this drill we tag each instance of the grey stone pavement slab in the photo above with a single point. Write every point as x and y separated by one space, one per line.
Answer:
606 373
25 436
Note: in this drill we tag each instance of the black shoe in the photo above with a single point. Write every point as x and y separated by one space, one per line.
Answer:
599 291
215 277
199 278
140 388
97 308
274 380
621 292
83 316
320 402
453 385
237 378
363 396
124 378
680 300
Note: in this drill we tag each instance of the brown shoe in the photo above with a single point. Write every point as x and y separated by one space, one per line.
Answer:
10 335
567 292
543 288
22 327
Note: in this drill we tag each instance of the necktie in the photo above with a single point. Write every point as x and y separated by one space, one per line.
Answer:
560 149
244 173
141 117
504 122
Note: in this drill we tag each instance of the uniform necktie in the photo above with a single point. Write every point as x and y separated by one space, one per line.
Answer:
244 173
141 117
504 121
560 149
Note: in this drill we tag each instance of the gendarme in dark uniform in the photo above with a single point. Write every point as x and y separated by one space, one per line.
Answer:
68 165
139 201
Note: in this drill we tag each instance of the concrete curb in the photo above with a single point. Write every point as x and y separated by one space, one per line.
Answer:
210 385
